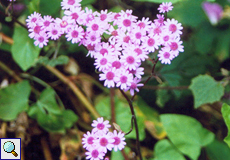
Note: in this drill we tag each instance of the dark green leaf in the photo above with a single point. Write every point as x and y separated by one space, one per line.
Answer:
186 133
205 90
14 100
23 50
225 110
49 7
164 150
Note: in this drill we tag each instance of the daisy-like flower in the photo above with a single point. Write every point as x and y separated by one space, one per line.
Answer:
165 7
95 154
88 140
75 14
100 125
104 48
97 26
67 4
126 21
116 63
138 72
151 43
54 32
144 24
166 37
155 29
64 23
104 142
165 55
103 62
125 79
130 60
176 47
46 22
110 77
75 34
139 49
35 31
159 20
105 16
134 86
92 38
41 40
123 39
33 19
119 140
89 15
173 26
137 35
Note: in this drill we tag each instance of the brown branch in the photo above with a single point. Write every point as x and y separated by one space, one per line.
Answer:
46 149
165 88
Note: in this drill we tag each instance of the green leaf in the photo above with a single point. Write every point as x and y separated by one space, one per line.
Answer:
87 2
206 90
163 96
186 133
14 100
164 150
158 1
189 13
60 60
49 7
47 101
225 110
23 50
218 150
123 115
69 118
118 155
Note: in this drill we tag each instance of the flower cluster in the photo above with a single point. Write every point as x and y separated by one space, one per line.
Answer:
100 140
118 42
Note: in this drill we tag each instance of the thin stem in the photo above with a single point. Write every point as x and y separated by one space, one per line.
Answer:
135 123
10 72
75 89
166 87
113 115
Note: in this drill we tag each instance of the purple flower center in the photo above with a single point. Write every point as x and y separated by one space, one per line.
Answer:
151 42
95 27
103 51
37 29
46 23
157 30
34 19
138 35
116 16
138 51
90 47
74 34
123 79
63 24
54 32
74 16
117 141
95 153
130 59
100 126
166 55
172 27
133 86
103 142
132 71
166 38
90 140
116 64
93 38
127 23
71 2
103 61
114 33
141 25
41 39
126 39
103 17
110 76
173 46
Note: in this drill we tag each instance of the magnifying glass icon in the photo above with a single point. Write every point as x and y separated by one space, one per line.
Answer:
9 147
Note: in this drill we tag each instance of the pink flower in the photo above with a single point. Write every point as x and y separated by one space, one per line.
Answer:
165 7
76 14
54 32
165 55
35 31
176 47
103 62
104 142
88 140
110 76
214 12
92 38
151 43
124 80
134 86
119 140
100 125
173 26
75 34
95 154
46 22
33 19
130 60
64 23
97 26
41 40
67 4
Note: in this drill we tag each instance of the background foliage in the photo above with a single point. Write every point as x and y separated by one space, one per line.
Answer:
183 113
